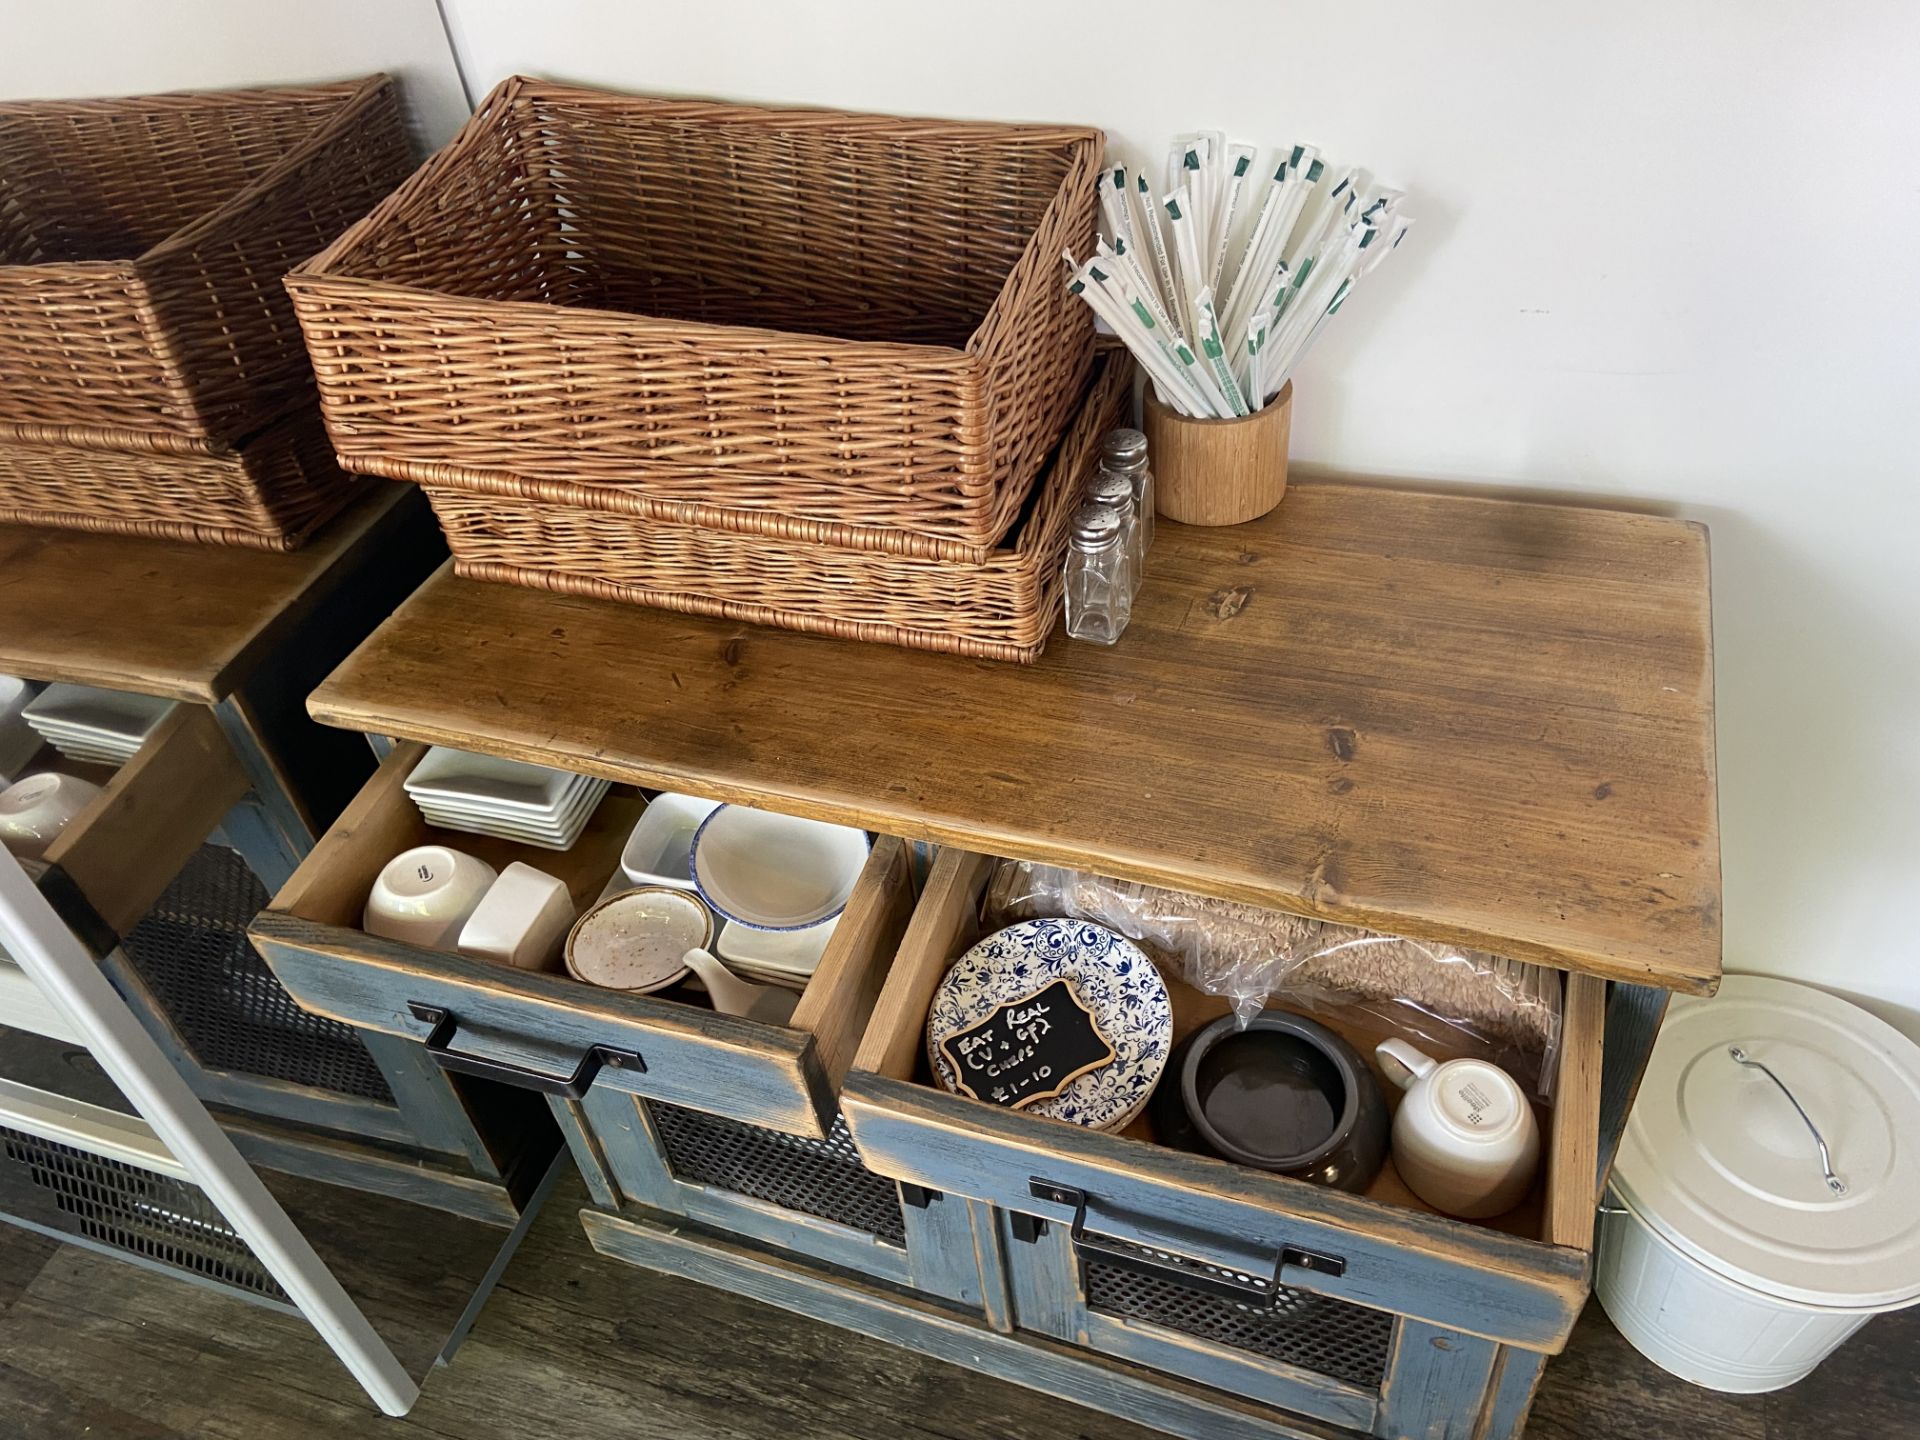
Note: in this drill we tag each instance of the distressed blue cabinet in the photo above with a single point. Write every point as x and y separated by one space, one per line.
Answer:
1482 719
1368 1312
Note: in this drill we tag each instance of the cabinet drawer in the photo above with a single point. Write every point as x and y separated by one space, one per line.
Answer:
117 856
550 1032
1519 1280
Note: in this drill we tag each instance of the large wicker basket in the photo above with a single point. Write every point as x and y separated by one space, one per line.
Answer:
844 328
143 244
1002 608
269 494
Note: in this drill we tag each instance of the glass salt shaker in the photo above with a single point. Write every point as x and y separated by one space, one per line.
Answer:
1099 602
1125 451
1115 491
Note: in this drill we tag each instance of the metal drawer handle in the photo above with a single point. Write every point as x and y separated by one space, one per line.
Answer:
1834 1182
439 1043
1243 1287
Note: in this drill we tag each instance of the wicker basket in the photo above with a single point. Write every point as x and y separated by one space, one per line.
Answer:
1002 608
143 243
845 328
269 494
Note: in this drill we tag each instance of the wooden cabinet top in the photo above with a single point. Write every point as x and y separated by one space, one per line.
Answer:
1484 721
160 617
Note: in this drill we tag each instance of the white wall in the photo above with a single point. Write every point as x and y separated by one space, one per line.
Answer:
1666 253
70 48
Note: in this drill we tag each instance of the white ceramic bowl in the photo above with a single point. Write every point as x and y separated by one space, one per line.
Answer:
426 895
775 872
637 940
35 810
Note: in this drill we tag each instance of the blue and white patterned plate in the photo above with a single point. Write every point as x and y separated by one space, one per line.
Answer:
1115 981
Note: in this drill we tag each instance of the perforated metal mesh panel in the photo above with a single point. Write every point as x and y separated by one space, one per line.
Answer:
192 951
125 1208
817 1177
1315 1332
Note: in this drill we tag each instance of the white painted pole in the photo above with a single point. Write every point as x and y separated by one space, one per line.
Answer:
43 947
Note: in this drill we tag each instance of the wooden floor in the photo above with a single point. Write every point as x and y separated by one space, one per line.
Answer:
580 1347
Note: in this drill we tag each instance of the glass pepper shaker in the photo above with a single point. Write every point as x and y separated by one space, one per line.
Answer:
1115 491
1099 600
1125 451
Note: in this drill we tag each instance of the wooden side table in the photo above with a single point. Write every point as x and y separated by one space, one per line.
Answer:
1482 722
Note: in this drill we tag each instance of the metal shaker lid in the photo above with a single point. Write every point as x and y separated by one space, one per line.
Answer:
1095 526
1110 487
1123 450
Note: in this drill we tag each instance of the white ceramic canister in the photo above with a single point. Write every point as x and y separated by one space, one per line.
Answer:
1766 1198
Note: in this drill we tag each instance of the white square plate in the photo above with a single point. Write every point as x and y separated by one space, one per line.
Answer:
488 780
559 835
574 813
583 796
82 710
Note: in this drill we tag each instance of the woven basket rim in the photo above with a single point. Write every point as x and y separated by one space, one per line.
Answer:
355 97
301 280
783 115
238 95
332 263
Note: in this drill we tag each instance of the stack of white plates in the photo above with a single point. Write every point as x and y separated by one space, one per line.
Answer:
482 795
104 726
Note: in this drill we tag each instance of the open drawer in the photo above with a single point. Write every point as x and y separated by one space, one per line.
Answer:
117 856
1170 1259
669 1107
549 1032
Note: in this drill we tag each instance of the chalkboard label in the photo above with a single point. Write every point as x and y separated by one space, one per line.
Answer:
1029 1049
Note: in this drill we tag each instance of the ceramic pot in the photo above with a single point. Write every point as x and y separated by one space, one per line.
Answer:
1285 1094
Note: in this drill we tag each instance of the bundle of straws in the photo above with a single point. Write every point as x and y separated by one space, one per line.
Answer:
1315 234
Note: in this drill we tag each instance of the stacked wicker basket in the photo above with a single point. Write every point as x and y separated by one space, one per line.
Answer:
797 367
152 379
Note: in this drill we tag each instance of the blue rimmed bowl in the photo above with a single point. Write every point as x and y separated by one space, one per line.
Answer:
775 872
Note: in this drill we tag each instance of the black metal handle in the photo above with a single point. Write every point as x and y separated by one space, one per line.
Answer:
1252 1279
439 1043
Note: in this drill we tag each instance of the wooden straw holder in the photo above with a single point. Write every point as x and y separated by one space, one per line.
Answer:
1218 472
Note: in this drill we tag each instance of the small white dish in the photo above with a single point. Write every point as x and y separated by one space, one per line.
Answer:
1464 1138
487 780
110 724
775 872
637 940
35 810
787 956
521 921
660 849
426 895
